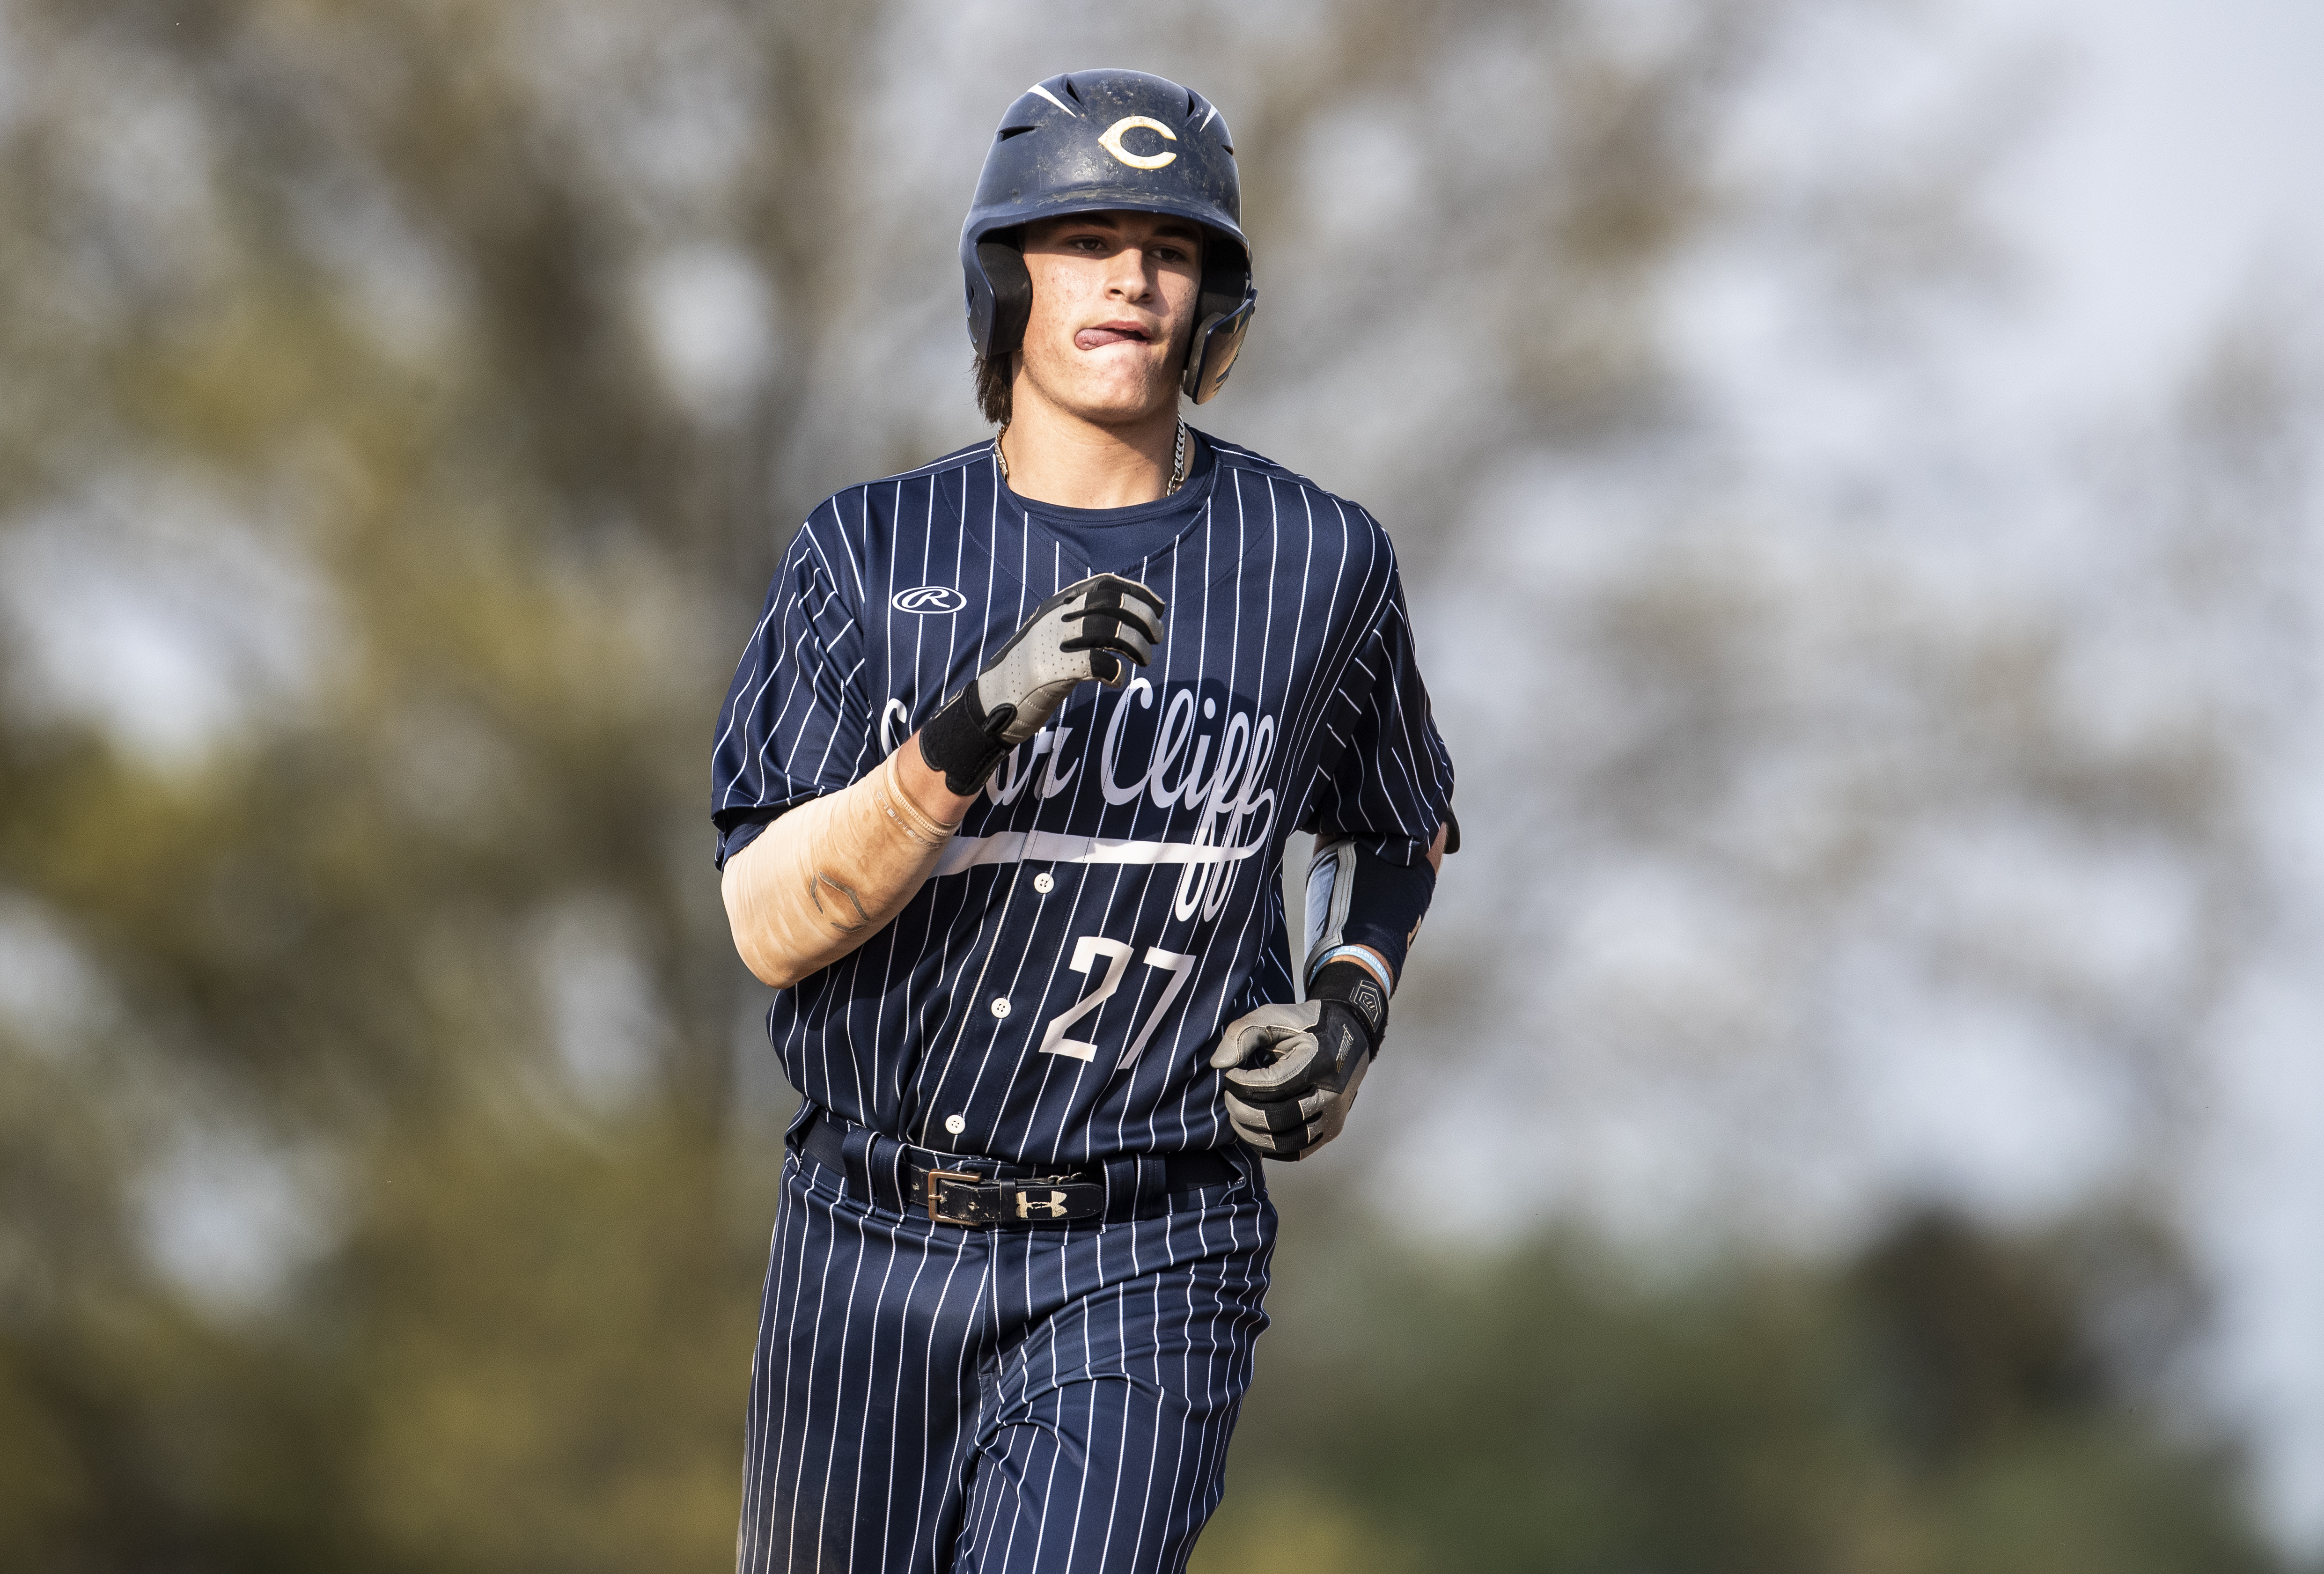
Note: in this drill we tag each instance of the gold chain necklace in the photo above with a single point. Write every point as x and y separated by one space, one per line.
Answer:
1177 457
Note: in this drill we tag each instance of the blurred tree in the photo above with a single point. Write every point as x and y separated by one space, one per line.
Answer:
341 323
1938 1406
1977 1342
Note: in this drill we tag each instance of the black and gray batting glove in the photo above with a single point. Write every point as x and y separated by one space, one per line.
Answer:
1293 1070
1093 630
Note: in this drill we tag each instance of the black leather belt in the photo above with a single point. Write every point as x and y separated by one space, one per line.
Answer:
977 1192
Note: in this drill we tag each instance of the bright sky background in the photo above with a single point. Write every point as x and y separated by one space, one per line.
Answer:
2178 174
2181 168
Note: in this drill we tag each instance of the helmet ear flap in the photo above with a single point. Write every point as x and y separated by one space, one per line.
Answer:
1217 341
1003 262
1223 313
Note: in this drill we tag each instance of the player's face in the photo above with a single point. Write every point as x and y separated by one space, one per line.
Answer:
1114 310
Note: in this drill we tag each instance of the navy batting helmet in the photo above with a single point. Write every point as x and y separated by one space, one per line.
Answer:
1091 141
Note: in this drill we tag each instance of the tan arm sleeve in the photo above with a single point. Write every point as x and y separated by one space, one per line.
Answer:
829 875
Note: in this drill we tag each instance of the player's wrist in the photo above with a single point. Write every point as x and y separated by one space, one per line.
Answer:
963 744
1352 986
923 807
1364 956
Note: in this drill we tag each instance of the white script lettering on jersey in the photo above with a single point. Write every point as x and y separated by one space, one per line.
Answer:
1227 791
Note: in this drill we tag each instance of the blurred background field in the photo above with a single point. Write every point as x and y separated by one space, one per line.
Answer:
1857 1105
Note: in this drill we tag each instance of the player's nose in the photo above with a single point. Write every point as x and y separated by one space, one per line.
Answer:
1128 277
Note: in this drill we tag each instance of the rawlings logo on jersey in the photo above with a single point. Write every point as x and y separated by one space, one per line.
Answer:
928 599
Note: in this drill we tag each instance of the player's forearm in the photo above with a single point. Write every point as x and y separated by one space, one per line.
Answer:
1364 909
830 874
1372 956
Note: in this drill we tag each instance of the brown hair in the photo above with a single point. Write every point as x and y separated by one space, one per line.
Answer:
995 379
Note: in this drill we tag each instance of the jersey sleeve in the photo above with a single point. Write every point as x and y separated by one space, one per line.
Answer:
796 725
1390 784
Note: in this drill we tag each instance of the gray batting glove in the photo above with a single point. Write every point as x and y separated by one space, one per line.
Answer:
1090 631
1292 1071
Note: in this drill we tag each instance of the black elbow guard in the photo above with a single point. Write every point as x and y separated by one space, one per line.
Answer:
1357 898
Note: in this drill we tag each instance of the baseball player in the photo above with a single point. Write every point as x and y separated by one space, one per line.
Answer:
1003 786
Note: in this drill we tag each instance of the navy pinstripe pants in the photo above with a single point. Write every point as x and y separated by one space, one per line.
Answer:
937 1400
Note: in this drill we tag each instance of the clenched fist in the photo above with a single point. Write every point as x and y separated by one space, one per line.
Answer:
1292 1071
1090 630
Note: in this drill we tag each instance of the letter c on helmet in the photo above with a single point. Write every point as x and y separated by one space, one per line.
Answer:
1112 142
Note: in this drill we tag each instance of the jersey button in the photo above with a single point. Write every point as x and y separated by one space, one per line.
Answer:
1000 1005
956 1124
1043 883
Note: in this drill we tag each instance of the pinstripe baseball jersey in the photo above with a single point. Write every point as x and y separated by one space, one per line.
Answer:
1113 898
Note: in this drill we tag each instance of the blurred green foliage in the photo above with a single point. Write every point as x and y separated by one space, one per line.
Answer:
533 1359
1939 1404
522 1355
